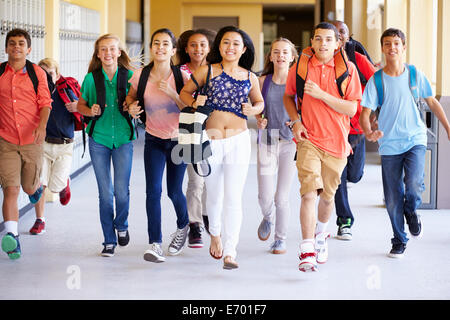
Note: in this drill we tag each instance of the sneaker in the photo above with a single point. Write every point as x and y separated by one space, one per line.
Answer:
206 223
397 251
278 247
195 236
345 230
36 196
64 195
307 262
123 238
108 250
178 241
321 247
414 224
38 227
155 253
11 245
264 230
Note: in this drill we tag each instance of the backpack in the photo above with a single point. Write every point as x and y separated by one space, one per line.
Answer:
69 91
30 70
414 87
340 66
351 47
179 84
193 141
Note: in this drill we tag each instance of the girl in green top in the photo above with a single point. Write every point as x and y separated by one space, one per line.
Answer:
110 135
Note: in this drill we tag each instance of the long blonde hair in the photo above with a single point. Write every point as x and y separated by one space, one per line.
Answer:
123 61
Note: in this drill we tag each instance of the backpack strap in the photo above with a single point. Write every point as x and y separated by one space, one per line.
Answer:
266 84
378 79
341 69
2 68
302 72
413 82
100 90
141 89
32 74
122 84
179 83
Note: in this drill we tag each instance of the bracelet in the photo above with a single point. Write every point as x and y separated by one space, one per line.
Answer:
291 125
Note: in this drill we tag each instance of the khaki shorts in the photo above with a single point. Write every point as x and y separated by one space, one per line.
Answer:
317 170
20 165
56 166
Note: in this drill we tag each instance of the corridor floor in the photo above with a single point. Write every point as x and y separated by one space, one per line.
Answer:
65 262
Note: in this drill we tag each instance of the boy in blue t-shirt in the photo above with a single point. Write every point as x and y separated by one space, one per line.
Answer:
402 137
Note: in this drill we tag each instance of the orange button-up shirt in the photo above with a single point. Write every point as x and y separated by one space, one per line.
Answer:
327 129
20 105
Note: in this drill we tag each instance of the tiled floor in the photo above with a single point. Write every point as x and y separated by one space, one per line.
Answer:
65 262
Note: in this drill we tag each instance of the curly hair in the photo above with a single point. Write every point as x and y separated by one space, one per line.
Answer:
183 40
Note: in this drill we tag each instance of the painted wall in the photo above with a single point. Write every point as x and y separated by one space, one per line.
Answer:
133 10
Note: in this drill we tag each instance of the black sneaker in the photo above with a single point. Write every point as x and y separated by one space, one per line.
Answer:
397 250
414 224
344 230
108 250
206 223
123 238
195 236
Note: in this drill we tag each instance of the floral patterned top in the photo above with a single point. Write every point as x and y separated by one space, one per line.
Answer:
227 94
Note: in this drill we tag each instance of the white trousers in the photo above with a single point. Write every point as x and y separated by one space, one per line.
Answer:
276 171
56 165
225 185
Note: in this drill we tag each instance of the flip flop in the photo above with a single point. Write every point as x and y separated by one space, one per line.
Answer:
230 265
215 257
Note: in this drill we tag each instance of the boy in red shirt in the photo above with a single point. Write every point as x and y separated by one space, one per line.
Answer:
24 112
321 134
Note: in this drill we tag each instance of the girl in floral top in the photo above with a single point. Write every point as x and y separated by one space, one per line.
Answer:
230 86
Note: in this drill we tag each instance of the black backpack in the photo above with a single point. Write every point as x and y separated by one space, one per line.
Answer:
122 81
30 70
179 84
351 47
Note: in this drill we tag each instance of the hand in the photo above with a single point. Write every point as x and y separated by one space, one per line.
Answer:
39 134
373 121
299 131
247 109
72 107
200 101
134 109
95 110
313 89
261 123
164 87
374 135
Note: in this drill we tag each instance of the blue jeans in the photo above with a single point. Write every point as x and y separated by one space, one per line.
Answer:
403 185
121 157
352 172
157 156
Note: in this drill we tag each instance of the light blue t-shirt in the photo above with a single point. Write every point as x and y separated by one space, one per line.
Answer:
399 117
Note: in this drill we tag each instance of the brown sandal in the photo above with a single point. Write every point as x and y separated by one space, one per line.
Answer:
230 264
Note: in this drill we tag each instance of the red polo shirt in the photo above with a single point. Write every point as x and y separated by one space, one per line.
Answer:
327 129
20 105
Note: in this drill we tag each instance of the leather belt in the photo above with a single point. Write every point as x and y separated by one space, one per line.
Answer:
58 140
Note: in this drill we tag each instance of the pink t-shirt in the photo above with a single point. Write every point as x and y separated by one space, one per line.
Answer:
162 112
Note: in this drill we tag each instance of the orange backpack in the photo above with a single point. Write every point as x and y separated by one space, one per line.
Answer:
340 67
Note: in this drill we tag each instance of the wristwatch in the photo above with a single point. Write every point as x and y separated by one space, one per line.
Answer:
291 125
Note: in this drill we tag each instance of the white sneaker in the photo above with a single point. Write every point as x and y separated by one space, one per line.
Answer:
155 253
307 262
321 247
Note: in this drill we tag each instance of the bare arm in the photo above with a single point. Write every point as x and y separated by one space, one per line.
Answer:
257 101
364 121
438 111
84 109
298 130
190 87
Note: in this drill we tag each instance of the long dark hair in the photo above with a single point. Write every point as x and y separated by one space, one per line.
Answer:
182 55
248 57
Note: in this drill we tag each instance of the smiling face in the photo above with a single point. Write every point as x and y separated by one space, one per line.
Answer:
161 47
281 54
197 47
232 46
17 48
108 52
324 44
393 48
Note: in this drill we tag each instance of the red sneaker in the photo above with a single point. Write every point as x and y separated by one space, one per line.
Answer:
64 195
38 227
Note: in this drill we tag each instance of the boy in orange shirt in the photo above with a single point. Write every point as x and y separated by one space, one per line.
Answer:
24 112
322 139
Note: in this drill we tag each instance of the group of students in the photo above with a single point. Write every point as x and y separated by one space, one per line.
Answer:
312 117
